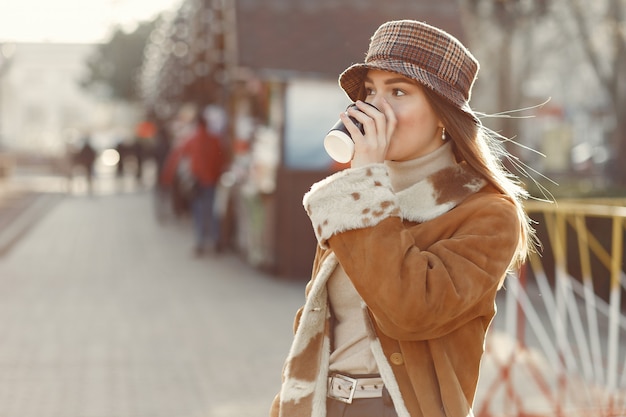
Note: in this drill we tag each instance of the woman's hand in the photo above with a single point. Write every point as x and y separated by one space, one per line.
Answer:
371 147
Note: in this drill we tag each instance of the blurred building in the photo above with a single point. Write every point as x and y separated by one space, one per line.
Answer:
273 66
42 106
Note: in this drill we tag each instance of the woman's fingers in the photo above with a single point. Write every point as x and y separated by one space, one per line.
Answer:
355 133
370 147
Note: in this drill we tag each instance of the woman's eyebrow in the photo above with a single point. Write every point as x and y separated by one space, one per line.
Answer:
396 80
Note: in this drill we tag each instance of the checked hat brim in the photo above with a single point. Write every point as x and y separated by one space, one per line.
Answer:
423 53
352 81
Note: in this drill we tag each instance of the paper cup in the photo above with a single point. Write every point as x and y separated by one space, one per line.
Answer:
339 146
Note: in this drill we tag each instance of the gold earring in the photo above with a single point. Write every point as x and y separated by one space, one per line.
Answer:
443 133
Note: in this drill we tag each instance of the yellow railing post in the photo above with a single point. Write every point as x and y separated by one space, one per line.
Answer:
615 303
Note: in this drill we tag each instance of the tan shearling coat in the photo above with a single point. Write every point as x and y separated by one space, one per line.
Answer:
427 262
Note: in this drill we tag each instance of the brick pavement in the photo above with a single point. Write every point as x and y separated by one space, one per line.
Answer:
104 313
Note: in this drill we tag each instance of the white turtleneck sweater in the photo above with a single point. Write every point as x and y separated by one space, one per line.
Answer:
351 353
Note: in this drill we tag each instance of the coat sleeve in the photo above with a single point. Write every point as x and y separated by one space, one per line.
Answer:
413 292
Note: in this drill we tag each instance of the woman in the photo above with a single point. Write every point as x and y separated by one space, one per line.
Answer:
415 239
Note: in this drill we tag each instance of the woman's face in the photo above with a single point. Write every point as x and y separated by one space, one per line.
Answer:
418 129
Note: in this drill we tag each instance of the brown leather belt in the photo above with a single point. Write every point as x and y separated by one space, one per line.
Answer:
345 388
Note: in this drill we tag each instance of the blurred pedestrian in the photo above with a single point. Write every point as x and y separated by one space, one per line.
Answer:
144 134
201 161
162 148
137 149
415 239
122 150
86 158
68 162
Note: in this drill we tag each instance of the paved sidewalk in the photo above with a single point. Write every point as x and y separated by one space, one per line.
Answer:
19 211
104 313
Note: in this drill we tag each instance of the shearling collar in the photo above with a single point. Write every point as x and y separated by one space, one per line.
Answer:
363 197
438 193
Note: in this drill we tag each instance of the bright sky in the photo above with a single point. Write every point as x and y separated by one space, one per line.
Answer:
73 20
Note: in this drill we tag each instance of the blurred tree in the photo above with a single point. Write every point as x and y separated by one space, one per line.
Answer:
511 31
504 25
114 66
600 28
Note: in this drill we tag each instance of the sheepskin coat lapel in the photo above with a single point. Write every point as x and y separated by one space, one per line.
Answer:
368 190
331 205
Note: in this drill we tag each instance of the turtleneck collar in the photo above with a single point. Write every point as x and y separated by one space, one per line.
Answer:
406 173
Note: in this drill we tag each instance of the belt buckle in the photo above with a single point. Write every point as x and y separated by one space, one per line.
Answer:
353 382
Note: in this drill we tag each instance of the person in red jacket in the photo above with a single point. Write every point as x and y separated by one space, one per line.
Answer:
204 156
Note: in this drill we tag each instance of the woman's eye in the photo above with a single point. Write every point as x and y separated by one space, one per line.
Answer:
398 92
369 91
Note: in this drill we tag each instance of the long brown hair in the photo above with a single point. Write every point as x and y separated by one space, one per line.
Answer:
479 148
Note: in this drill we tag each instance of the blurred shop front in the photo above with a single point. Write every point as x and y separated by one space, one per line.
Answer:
278 154
272 65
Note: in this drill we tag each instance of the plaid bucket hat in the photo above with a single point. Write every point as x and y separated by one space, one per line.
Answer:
428 55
